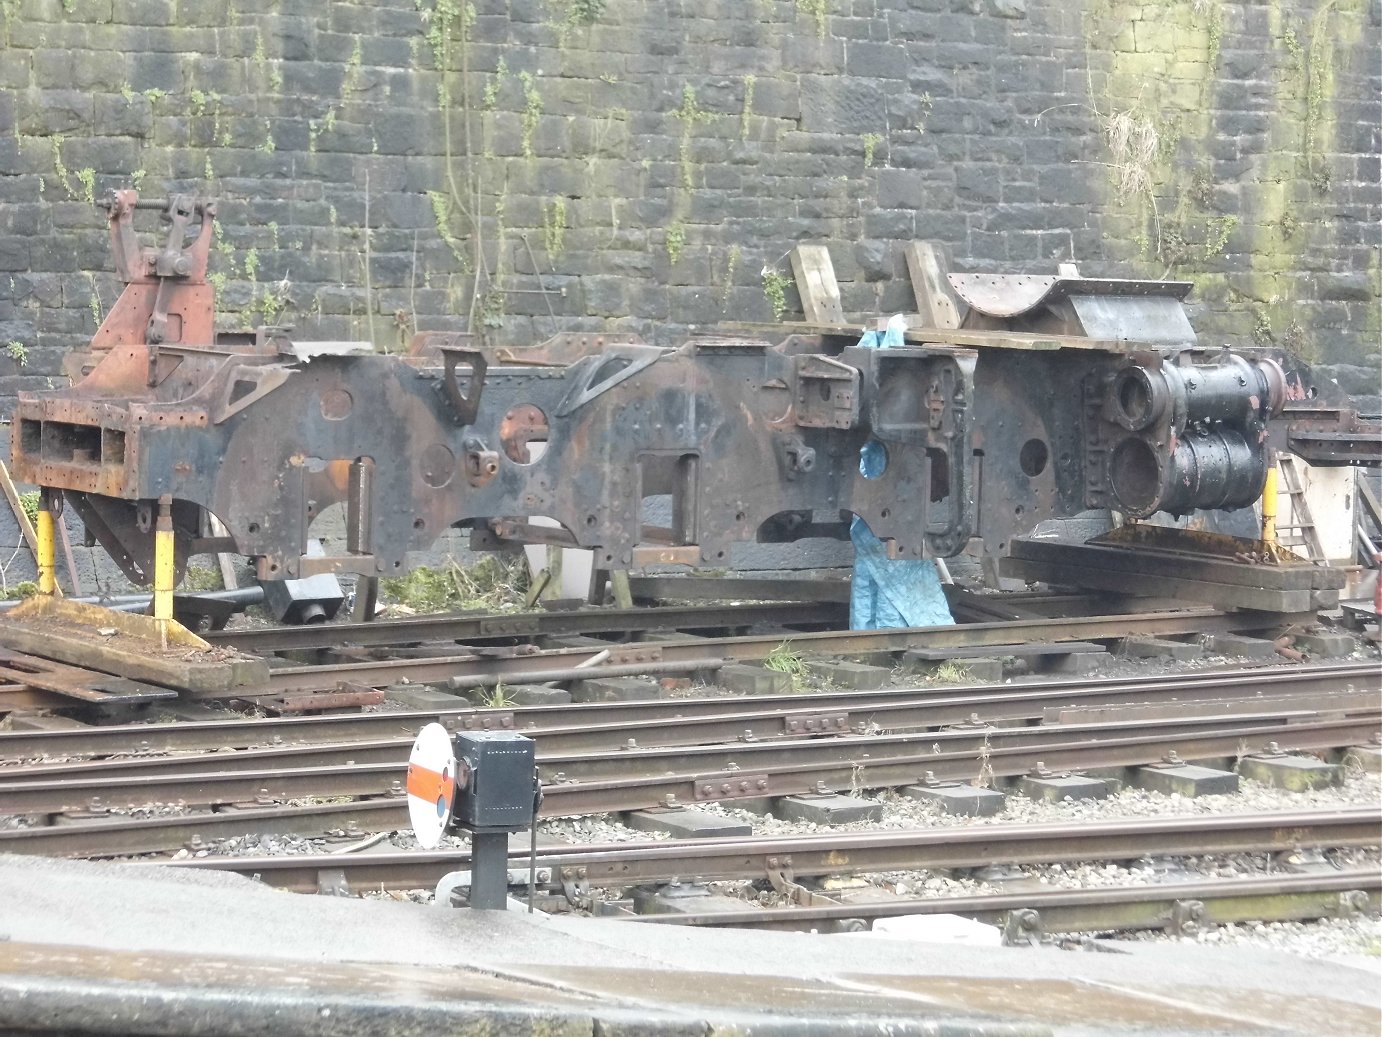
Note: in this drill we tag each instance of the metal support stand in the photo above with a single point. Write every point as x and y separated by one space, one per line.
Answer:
47 545
489 871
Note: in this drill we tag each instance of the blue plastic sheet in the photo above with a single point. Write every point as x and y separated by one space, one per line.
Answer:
887 592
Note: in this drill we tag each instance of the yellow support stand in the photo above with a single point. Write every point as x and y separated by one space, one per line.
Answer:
47 559
164 566
1270 496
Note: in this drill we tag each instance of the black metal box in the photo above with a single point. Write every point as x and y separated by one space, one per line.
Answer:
496 772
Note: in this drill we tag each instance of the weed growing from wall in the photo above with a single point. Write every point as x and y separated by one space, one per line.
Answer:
775 291
532 111
871 142
817 11
554 228
675 242
750 81
689 115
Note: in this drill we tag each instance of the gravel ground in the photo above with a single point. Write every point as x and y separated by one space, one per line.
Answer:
1351 938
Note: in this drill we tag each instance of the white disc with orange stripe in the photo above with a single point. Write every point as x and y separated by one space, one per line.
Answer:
431 784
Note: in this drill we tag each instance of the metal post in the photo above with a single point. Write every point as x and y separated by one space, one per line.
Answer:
164 566
46 552
489 871
1269 503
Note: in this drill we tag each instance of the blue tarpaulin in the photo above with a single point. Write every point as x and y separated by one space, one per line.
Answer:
887 592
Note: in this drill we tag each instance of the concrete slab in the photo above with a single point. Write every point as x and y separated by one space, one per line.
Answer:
536 695
887 660
1365 757
424 696
754 680
1325 645
982 669
1293 773
118 948
684 823
965 800
615 689
685 898
828 810
1186 780
45 722
1160 648
1074 662
851 676
1057 787
1239 646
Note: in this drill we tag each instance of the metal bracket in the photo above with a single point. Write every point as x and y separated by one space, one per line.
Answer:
510 626
331 882
806 724
489 720
1187 917
246 385
1023 927
575 886
794 455
464 406
731 786
630 656
595 375
783 880
1353 902
827 392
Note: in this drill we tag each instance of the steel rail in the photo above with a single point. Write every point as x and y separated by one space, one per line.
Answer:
664 721
514 668
92 836
751 858
906 713
1211 902
497 626
600 782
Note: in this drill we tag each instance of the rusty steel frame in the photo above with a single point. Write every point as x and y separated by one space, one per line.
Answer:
1077 393
837 853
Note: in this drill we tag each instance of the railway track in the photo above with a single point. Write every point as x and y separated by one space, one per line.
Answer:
620 865
610 782
1181 908
522 664
378 737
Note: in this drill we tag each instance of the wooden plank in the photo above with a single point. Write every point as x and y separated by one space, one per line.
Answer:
936 302
1369 500
943 338
67 557
76 683
17 506
67 632
1134 563
1217 594
1053 648
815 277
224 560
